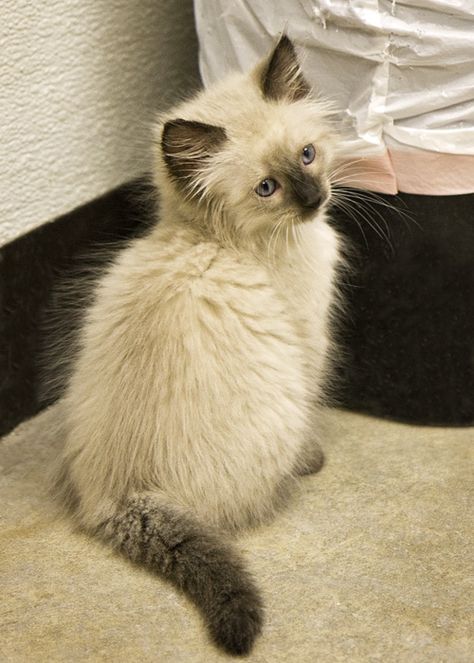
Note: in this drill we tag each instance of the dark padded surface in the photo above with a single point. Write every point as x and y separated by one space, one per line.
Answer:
409 329
409 332
31 266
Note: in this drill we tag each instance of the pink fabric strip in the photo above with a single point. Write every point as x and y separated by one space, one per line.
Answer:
414 171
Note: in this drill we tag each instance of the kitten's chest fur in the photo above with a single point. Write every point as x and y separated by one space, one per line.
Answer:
304 276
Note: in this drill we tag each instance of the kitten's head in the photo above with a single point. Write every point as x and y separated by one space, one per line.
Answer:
254 150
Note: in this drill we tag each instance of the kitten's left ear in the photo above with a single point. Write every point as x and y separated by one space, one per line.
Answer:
281 77
187 145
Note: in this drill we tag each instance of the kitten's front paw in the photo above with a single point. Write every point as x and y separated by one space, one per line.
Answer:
312 461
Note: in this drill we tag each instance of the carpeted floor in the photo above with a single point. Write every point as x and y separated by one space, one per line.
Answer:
370 562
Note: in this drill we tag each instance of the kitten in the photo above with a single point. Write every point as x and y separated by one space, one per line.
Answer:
193 401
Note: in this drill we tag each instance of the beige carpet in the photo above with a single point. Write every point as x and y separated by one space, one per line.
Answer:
370 562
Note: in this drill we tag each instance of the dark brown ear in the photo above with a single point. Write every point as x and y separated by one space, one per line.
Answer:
282 77
187 145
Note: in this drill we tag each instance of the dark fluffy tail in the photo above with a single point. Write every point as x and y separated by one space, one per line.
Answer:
151 532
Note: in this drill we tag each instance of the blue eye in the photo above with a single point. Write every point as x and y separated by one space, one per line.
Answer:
266 188
308 154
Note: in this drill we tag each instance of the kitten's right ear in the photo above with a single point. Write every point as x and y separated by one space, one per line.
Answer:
281 76
187 145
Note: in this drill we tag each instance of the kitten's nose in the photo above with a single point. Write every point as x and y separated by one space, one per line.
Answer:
313 199
308 193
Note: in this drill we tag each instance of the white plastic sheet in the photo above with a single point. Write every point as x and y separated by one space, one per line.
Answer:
400 74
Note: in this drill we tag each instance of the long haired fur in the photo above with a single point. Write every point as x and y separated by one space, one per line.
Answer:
193 400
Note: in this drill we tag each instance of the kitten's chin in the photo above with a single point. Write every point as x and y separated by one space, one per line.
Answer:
312 215
309 215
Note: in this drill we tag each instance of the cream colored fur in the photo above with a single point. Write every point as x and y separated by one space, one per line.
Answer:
202 358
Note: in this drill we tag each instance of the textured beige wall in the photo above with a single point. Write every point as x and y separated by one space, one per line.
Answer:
79 81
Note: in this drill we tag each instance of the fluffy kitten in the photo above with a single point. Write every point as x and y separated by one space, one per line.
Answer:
192 404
